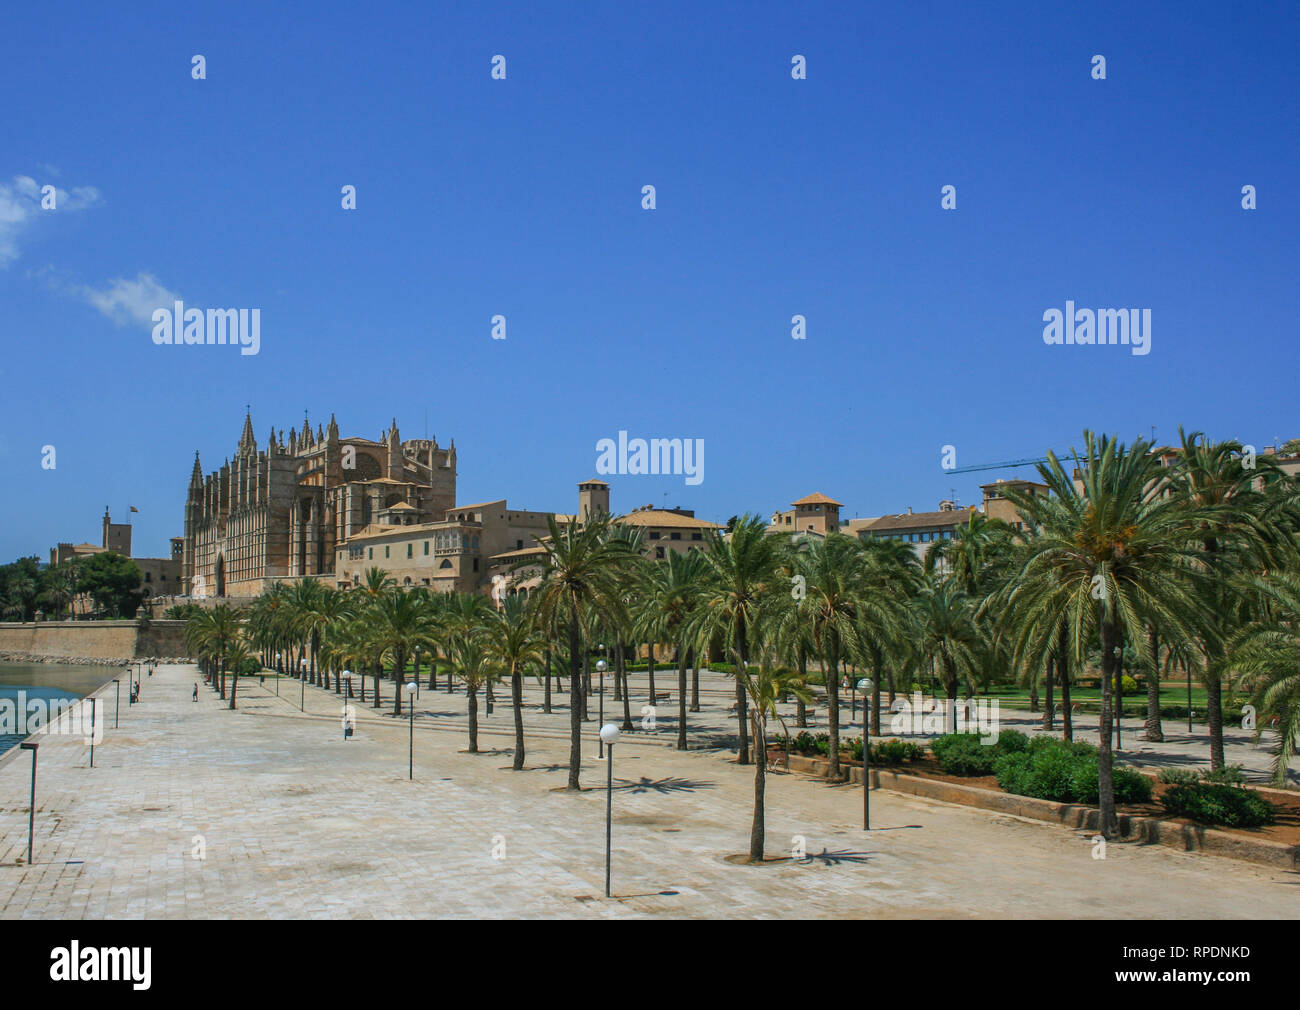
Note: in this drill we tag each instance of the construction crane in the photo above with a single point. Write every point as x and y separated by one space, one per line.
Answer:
1009 465
1014 463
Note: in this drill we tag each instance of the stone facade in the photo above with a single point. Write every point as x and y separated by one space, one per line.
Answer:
282 512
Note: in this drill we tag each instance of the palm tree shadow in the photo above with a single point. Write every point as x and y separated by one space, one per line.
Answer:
828 858
661 786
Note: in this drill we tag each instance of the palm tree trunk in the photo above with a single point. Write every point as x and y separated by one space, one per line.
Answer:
875 695
546 698
695 681
1214 717
575 705
742 701
757 830
1033 692
1154 731
833 710
472 691
801 709
399 673
1105 757
378 671
517 696
650 670
621 674
585 692
682 655
1063 668
1049 707
234 687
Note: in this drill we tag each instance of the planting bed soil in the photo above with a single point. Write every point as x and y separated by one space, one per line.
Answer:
1285 831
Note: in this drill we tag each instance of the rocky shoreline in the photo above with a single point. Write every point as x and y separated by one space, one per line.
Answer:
31 657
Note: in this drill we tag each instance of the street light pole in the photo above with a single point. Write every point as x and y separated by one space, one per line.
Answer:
609 734
410 704
601 666
117 700
31 811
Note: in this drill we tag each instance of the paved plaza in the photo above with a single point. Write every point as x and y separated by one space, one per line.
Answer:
291 820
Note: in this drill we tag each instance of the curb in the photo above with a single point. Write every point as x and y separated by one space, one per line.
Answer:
1149 830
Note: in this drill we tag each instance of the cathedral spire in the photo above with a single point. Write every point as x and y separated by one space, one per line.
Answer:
196 475
247 442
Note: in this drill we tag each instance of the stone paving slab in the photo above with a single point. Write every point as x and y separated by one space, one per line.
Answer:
295 822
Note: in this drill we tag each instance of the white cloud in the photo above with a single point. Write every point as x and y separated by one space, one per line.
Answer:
127 300
20 208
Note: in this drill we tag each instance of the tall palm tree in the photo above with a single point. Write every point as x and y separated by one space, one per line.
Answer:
1106 557
469 661
583 567
948 634
214 633
669 595
399 623
512 642
764 687
740 569
894 572
1226 511
834 588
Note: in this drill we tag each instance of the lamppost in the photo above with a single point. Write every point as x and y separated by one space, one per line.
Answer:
117 699
279 667
347 679
347 708
608 737
410 704
92 730
417 671
31 813
601 666
302 689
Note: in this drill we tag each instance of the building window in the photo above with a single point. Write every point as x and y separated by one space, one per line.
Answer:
697 536
445 564
385 551
476 564
426 547
410 549
370 554
674 536
654 534
659 553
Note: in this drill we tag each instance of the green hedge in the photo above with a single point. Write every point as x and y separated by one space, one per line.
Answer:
1051 769
1210 803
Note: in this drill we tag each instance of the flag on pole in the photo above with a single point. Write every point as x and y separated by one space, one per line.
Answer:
134 509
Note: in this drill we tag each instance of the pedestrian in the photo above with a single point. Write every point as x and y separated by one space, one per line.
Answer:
196 693
151 671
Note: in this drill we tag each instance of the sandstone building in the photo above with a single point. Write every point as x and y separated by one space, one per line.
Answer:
280 512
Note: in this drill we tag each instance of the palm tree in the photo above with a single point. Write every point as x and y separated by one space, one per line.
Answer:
669 595
1266 651
948 634
1226 512
513 642
1105 558
764 686
894 572
470 661
834 587
583 565
213 634
739 571
399 622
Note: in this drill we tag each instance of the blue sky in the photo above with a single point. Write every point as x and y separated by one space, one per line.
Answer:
522 197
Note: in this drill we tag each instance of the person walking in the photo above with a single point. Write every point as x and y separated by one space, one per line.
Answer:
196 693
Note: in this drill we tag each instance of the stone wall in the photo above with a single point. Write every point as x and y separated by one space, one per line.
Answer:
94 639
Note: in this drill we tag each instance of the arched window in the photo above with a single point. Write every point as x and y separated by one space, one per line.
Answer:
445 563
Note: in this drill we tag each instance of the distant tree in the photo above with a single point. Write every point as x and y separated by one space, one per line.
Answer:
113 582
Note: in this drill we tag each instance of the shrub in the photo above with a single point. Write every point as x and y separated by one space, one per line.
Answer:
963 754
1229 775
1066 774
1012 741
894 752
1178 776
1129 685
1211 803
